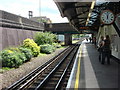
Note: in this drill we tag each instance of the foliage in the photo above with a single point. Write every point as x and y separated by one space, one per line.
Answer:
14 49
56 45
47 48
27 52
30 44
45 38
0 59
5 69
20 54
12 58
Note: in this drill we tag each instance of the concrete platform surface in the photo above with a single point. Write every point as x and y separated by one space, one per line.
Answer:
92 74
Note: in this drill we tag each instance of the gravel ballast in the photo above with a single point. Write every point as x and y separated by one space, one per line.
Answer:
13 75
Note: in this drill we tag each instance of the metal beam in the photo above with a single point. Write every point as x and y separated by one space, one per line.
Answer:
76 16
81 20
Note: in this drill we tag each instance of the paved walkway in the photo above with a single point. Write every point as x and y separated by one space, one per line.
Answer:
93 74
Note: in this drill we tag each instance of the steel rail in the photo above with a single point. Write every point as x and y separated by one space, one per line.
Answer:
31 80
31 74
65 71
51 73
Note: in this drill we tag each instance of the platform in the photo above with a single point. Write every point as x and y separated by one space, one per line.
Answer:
88 72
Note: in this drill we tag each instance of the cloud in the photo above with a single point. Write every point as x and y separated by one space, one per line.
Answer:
55 17
48 4
50 10
20 7
39 7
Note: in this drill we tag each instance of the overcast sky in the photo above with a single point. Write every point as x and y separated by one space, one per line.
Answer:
39 7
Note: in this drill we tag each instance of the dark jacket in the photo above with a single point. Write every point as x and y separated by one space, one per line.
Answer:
106 46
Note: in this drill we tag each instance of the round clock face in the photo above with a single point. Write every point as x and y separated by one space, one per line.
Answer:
107 17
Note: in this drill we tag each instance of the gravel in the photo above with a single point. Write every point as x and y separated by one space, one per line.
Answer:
11 76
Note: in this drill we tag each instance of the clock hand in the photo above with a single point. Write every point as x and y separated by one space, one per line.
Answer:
107 15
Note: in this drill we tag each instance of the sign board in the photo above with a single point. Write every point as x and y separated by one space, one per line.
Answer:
88 28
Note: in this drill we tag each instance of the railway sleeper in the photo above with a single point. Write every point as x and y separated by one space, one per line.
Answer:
48 88
50 84
58 72
53 80
55 76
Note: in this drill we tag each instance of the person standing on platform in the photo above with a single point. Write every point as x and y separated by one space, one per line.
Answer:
90 39
100 48
87 39
106 50
94 41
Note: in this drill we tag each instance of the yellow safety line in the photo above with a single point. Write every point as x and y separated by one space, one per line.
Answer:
76 86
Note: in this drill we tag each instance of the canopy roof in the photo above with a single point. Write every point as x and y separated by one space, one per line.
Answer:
85 14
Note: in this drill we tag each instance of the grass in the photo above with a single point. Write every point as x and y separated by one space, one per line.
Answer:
62 47
3 69
42 54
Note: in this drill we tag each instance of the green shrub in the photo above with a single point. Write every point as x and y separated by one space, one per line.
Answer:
27 52
45 38
12 59
14 49
56 45
22 56
30 44
0 59
19 53
47 48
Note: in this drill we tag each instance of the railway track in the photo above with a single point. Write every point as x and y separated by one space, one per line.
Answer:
52 75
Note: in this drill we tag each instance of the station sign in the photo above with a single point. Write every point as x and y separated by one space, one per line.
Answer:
88 28
84 28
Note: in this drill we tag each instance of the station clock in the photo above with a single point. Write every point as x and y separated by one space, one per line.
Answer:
107 17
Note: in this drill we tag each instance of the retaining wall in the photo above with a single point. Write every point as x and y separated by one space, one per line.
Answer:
10 37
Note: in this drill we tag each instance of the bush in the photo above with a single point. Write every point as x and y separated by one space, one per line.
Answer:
56 45
27 52
12 59
19 53
30 44
14 49
21 56
0 59
48 49
45 38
